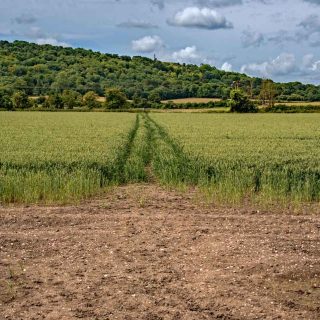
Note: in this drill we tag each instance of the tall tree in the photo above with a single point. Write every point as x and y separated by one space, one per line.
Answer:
267 93
115 99
20 100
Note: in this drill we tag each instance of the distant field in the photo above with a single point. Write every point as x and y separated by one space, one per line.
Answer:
300 103
192 110
206 100
101 99
193 100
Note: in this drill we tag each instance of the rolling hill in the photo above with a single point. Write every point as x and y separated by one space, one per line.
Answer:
44 69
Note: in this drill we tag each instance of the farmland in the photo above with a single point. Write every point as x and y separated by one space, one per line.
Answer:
63 157
152 244
60 157
271 157
160 160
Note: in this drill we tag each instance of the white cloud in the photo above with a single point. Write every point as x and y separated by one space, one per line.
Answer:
205 18
187 54
226 67
284 64
147 44
52 41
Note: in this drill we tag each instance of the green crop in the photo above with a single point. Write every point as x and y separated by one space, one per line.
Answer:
267 157
62 157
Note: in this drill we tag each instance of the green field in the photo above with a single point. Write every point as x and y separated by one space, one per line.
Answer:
264 156
61 157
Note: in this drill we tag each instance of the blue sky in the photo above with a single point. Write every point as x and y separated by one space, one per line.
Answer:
267 38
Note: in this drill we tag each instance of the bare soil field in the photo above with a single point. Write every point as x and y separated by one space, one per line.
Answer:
143 252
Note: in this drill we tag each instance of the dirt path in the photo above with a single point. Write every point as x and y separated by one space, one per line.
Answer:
146 253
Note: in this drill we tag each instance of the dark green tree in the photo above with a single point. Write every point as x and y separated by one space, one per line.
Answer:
154 96
70 99
239 102
90 100
5 100
115 99
54 101
20 100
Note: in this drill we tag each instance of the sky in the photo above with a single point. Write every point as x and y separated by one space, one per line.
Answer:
277 39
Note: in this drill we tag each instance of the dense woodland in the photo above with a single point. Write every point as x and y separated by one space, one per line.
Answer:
47 70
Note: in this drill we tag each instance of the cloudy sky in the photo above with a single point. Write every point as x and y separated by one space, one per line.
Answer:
278 39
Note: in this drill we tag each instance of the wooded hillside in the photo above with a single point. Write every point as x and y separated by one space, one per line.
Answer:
42 70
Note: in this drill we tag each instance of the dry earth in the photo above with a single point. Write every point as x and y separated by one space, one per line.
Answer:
143 252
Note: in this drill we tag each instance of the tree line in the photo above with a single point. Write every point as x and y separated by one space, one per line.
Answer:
68 99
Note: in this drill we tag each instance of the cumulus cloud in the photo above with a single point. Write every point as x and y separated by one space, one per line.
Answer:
147 44
252 39
205 18
286 65
190 54
52 41
226 67
186 55
139 24
282 65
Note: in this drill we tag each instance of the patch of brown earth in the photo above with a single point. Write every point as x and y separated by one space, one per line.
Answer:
146 253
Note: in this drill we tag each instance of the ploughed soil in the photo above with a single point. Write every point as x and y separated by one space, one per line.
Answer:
142 252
